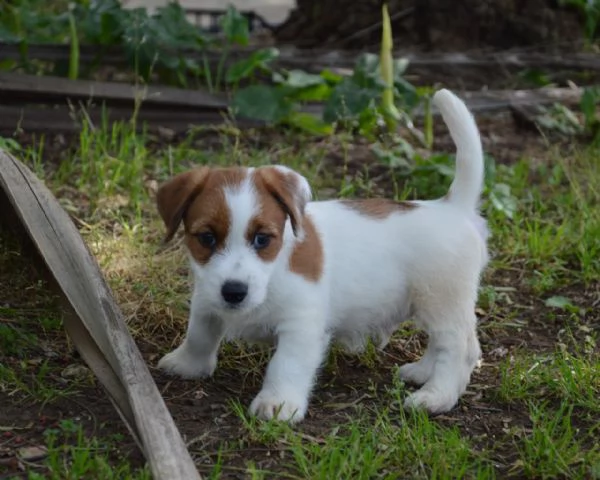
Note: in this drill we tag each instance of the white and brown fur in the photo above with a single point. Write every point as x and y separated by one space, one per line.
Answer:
268 262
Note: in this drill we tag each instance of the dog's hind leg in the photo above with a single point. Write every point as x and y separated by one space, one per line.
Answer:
420 371
451 356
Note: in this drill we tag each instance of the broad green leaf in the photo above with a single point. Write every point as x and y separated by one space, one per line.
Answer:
262 102
235 27
309 123
348 100
303 86
406 94
318 93
367 71
172 30
558 302
503 200
302 79
246 67
101 22
331 77
400 66
397 157
7 36
588 102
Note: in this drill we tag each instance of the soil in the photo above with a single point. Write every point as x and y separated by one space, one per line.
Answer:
440 25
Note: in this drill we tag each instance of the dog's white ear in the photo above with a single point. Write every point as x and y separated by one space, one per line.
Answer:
175 196
291 190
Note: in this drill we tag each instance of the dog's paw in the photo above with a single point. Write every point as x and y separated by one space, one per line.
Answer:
181 362
434 401
417 372
268 405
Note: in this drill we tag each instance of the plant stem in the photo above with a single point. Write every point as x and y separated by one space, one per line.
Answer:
390 111
74 50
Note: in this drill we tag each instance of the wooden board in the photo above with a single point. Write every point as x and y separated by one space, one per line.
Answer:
62 119
48 104
94 321
318 59
19 88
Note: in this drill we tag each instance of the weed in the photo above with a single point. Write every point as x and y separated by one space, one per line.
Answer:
267 432
71 455
13 340
574 378
34 380
554 446
387 447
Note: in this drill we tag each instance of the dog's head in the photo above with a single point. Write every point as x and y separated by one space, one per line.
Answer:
238 222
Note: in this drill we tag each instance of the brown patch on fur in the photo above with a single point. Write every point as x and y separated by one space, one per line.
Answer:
197 198
174 197
284 189
270 221
379 208
307 257
209 213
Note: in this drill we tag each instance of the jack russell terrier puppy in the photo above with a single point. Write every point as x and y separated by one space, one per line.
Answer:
270 264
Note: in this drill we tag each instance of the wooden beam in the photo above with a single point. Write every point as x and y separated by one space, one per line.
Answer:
317 59
93 319
18 88
62 119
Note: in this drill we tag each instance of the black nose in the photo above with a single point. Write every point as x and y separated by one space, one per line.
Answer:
234 292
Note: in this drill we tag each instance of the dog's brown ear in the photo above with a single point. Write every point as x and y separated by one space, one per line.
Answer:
290 189
175 196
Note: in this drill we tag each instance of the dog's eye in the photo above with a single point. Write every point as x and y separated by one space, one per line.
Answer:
207 239
261 240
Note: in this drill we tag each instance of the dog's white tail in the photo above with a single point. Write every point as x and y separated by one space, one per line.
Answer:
468 178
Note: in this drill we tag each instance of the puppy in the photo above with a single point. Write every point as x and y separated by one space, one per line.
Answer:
268 263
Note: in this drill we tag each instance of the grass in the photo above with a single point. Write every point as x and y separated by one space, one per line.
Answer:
531 411
558 376
71 455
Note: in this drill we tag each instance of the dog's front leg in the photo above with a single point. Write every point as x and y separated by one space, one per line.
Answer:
196 357
291 373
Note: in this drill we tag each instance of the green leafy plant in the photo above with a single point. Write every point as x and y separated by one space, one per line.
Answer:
588 104
352 102
563 120
245 68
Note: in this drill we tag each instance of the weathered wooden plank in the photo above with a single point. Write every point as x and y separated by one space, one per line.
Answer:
50 118
54 52
493 100
17 88
60 119
312 59
95 322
